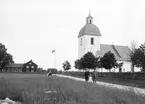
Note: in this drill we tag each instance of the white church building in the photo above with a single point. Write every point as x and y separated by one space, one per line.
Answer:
89 41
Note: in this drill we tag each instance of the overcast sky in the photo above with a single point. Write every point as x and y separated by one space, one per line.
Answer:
31 29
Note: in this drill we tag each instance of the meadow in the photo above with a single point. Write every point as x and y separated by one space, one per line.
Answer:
30 88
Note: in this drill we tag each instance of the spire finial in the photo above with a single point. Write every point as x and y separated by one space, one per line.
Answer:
89 19
89 13
89 16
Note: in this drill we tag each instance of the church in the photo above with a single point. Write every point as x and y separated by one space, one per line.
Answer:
89 41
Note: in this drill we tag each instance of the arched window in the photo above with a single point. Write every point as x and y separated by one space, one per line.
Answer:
90 21
92 41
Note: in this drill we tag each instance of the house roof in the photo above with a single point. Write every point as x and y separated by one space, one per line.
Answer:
19 65
121 52
14 65
31 62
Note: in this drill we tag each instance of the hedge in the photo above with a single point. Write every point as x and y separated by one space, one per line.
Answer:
124 75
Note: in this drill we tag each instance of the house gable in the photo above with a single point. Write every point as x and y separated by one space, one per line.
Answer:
30 66
31 63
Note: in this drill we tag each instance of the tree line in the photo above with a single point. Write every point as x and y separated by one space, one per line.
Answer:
108 61
89 61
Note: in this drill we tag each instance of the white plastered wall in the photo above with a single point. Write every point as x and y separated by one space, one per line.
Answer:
86 45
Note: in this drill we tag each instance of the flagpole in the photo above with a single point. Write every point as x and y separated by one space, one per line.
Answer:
54 51
55 59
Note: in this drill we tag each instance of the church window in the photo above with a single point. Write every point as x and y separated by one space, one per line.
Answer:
81 42
92 41
90 21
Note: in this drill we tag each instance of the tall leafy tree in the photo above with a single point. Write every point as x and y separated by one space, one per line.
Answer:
108 61
78 64
5 58
66 65
88 61
138 57
132 48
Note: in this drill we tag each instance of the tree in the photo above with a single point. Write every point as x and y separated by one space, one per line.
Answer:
5 58
108 61
88 61
138 57
66 65
78 64
132 47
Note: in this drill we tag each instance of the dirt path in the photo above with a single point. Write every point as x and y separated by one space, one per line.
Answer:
121 87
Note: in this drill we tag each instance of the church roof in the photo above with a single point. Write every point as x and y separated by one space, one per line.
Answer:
89 29
121 52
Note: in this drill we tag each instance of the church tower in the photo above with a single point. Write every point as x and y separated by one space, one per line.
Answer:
89 38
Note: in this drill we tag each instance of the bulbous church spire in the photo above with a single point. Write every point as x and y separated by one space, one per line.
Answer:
89 28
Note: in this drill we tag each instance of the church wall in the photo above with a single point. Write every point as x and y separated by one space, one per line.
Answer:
92 48
81 46
86 45
137 69
126 66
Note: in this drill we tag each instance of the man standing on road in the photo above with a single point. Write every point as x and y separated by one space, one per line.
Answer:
94 76
87 74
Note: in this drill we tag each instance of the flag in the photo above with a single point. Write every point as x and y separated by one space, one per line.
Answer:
53 51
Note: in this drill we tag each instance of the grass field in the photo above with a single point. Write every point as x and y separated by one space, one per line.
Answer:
30 88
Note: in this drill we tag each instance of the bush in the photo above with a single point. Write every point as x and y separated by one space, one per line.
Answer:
59 72
126 75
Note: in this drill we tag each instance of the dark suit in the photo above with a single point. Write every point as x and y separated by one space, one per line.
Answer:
87 74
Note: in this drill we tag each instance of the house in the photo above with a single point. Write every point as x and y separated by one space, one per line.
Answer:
89 41
29 66
13 67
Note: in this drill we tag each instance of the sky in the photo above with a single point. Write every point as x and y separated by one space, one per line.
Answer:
31 29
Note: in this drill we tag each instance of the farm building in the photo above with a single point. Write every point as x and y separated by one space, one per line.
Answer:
29 66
